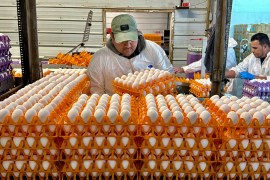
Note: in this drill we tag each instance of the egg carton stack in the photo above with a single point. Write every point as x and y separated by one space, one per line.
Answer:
29 126
257 87
6 79
201 87
243 149
178 138
98 135
152 81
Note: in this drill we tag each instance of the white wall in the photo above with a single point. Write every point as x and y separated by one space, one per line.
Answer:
61 23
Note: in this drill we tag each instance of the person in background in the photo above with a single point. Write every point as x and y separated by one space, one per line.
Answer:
257 64
196 66
125 52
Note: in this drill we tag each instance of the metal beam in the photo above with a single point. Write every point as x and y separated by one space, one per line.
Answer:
223 15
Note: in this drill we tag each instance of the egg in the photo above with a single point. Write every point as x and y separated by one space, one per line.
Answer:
188 109
233 116
235 107
16 114
240 111
3 114
246 116
99 114
152 114
205 116
112 115
178 116
30 113
86 114
163 108
166 115
265 111
72 115
214 97
247 107
225 108
259 116
200 110
192 116
125 114
43 114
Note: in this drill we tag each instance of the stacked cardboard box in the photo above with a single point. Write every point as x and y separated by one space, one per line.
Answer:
246 31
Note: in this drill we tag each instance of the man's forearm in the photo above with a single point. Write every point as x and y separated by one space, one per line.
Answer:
230 74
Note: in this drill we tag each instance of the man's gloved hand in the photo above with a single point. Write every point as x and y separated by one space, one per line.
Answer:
246 75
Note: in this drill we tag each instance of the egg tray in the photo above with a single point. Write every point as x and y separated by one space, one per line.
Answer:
93 127
199 93
100 175
179 166
142 91
99 142
100 166
30 175
25 167
93 154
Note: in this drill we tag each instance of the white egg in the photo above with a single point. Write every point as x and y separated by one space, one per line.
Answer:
178 116
246 116
252 111
163 108
198 105
72 115
176 108
200 110
43 114
188 109
166 115
99 114
125 114
265 111
259 116
225 108
3 114
192 116
247 107
16 114
235 107
219 103
112 115
30 113
240 111
265 104
151 104
152 114
86 114
205 116
214 97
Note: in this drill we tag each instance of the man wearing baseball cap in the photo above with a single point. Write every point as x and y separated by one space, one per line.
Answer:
125 52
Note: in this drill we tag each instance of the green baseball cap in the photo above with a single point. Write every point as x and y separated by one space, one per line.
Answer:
124 28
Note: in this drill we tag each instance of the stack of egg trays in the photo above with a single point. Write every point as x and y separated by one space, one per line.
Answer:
29 149
242 149
260 89
161 86
6 80
199 90
101 149
174 150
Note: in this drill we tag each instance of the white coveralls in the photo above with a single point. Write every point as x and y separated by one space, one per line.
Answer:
254 66
106 65
230 62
